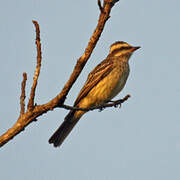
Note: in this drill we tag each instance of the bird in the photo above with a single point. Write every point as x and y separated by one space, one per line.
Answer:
103 83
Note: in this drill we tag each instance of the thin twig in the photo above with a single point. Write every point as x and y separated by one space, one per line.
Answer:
38 67
23 93
111 104
100 6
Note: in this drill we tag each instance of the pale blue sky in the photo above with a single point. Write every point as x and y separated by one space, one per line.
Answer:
140 141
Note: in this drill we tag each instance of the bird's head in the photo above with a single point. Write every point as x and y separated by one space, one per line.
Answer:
122 48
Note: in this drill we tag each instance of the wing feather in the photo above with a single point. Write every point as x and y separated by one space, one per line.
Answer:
100 71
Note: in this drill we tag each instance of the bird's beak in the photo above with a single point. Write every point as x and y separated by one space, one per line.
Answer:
134 48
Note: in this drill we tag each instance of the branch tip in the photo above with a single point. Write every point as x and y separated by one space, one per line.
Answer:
24 75
111 2
100 6
37 29
38 67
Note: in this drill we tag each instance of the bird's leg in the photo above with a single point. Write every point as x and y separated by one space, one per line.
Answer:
101 109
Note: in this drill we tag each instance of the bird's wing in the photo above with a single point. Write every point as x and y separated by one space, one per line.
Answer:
100 71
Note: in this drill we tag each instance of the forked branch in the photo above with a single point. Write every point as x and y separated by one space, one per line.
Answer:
33 111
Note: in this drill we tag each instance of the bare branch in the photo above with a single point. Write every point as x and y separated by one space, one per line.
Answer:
81 62
38 67
111 2
35 111
100 6
111 104
23 93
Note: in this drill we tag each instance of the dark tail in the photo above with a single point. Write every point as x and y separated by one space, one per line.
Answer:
65 128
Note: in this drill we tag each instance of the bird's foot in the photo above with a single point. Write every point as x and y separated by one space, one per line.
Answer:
101 109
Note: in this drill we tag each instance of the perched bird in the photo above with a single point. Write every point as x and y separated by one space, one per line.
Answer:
103 83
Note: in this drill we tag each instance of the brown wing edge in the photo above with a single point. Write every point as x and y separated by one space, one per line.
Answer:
100 72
